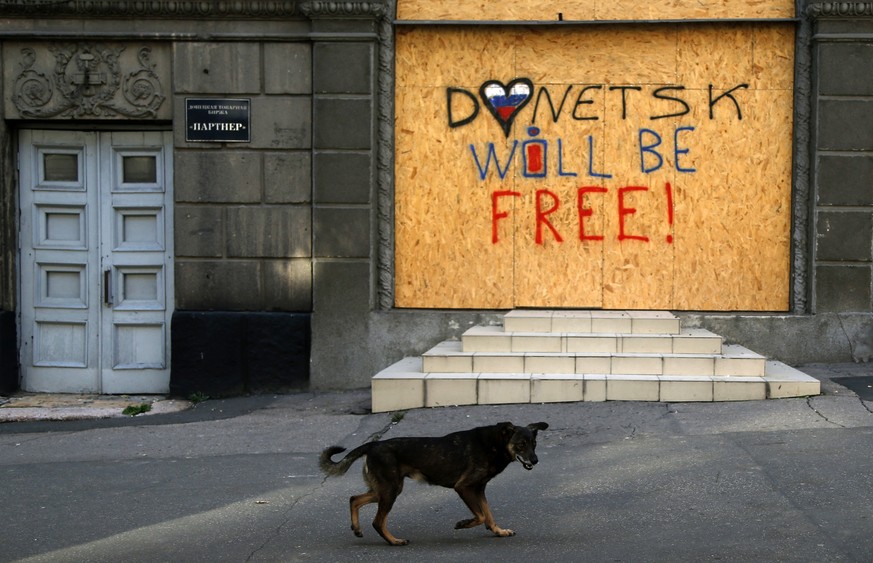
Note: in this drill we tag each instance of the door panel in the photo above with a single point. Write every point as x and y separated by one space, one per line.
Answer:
59 299
96 275
135 254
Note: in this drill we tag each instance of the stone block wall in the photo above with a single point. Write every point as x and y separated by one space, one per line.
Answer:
243 210
281 225
344 169
843 155
342 149
244 222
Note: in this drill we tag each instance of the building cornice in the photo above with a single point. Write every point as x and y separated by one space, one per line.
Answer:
218 9
841 10
212 9
235 9
327 9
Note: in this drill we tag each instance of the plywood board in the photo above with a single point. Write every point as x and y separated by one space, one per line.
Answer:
445 257
677 137
592 10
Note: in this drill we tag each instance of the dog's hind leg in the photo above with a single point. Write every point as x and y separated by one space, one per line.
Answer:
355 504
386 502
474 498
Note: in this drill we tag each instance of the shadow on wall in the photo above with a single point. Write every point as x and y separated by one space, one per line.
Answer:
8 353
221 354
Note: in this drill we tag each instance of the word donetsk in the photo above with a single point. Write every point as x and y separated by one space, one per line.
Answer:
582 102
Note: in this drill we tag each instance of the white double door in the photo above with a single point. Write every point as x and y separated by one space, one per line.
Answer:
95 261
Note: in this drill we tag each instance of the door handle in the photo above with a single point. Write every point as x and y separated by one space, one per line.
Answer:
107 290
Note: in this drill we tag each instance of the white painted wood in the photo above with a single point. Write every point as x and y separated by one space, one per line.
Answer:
85 223
59 299
136 222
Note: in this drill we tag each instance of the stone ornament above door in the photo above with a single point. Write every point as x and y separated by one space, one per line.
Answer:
87 81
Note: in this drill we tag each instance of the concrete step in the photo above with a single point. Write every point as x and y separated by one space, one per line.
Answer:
498 339
622 322
558 356
404 385
784 381
451 357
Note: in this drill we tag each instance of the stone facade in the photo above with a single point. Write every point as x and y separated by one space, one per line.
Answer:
283 245
844 194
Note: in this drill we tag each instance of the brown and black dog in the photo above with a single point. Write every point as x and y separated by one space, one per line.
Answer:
464 461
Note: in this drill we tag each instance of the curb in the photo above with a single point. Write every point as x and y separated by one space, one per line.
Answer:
37 406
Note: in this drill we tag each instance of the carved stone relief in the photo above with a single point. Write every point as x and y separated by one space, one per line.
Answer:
87 81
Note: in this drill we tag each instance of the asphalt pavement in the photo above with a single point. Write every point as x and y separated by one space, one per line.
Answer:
237 480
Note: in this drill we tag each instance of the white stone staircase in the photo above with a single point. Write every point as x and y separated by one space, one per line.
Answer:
543 356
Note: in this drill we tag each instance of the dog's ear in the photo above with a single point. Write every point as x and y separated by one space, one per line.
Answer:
537 426
506 429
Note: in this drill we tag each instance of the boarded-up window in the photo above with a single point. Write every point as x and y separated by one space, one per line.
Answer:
614 166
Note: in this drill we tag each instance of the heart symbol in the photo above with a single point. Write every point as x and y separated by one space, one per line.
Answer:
504 101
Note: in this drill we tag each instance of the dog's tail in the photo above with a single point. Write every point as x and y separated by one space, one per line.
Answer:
334 468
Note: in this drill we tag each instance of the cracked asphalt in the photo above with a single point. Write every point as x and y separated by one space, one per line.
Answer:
237 480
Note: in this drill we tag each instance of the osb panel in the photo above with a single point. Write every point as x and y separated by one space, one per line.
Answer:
638 260
773 58
555 56
559 255
704 228
577 268
422 51
743 211
592 10
444 253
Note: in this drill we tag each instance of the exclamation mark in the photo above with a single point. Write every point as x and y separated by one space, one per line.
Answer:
669 189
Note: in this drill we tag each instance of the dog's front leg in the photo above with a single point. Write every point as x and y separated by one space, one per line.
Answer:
474 498
489 520
470 497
